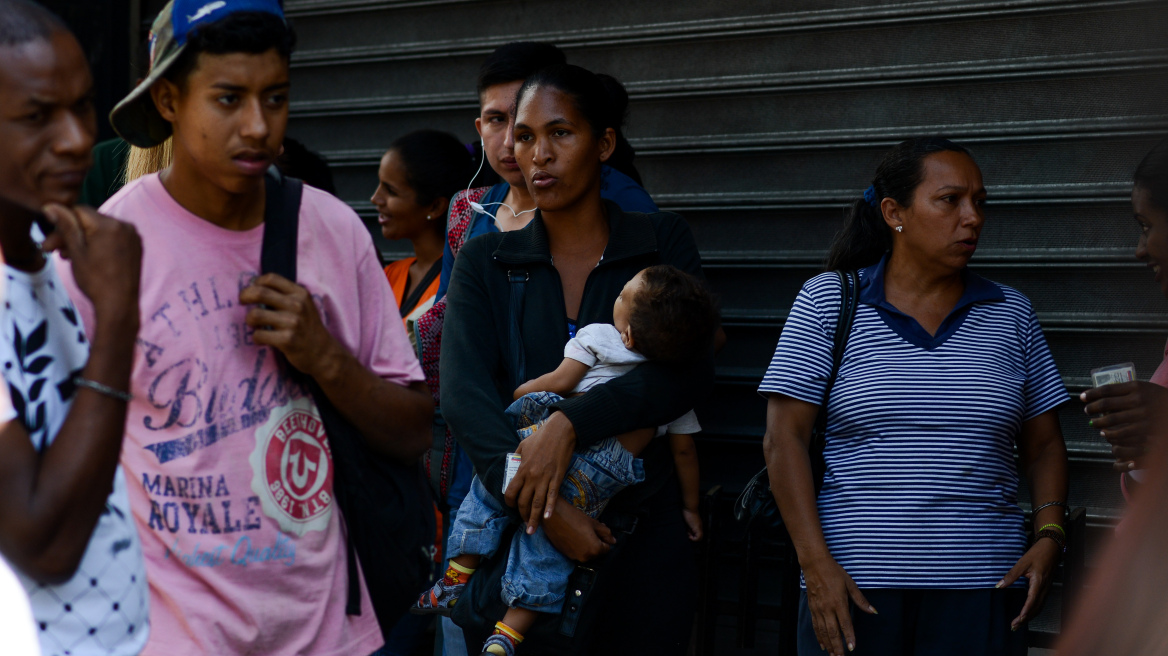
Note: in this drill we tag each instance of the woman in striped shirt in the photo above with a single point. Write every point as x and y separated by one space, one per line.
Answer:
944 372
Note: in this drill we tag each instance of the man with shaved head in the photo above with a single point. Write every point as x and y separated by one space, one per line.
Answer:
65 522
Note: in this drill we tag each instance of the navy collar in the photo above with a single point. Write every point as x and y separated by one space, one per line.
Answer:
977 290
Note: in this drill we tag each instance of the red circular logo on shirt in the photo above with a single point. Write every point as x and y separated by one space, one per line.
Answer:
298 465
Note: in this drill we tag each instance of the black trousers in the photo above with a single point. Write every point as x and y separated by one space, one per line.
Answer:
930 623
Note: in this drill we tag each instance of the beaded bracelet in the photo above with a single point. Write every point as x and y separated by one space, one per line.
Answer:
1058 539
1053 526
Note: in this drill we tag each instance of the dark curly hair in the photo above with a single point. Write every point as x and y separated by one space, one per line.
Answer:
252 32
673 316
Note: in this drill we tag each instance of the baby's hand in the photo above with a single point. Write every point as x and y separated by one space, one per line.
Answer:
694 522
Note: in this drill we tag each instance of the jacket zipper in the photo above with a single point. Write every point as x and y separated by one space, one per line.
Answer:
584 294
560 283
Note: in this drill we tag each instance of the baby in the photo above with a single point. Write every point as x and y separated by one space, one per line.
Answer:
662 314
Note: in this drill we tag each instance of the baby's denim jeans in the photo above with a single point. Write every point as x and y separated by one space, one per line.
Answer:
537 574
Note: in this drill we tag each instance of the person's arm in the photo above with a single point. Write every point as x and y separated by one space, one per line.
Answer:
1133 417
51 502
562 380
685 459
1042 456
653 394
785 443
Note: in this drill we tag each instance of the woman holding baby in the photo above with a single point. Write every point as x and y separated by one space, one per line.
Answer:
515 300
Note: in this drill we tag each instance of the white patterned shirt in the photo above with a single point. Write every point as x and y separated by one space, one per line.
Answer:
103 608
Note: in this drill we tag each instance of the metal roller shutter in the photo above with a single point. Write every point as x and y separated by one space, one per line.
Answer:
759 120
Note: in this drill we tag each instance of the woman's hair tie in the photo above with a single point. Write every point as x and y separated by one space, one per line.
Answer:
870 196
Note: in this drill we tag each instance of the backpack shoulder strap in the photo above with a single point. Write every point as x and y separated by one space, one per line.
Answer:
281 225
278 255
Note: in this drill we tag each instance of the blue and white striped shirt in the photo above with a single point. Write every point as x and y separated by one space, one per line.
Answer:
921 487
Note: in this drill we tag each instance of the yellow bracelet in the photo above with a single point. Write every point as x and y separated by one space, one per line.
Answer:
1054 526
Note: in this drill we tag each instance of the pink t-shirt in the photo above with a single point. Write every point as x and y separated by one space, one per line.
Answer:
229 474
1160 377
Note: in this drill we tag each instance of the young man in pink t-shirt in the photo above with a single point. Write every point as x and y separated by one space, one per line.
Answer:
232 494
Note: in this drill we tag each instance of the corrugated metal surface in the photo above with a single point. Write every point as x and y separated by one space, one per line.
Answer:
759 120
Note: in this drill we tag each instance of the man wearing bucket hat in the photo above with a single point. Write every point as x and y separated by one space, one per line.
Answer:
231 474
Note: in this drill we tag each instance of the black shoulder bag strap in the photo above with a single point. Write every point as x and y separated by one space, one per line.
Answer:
281 225
278 255
849 299
518 279
756 503
385 506
411 301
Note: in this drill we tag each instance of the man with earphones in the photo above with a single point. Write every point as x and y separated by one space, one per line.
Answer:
502 207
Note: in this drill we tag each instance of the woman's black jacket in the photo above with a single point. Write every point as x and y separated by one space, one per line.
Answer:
476 367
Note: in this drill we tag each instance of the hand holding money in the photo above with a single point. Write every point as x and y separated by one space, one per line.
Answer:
1130 415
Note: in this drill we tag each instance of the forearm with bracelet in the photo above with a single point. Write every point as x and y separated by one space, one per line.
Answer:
1053 531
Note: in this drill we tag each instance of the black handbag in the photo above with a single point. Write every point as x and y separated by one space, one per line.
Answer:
385 506
756 504
481 604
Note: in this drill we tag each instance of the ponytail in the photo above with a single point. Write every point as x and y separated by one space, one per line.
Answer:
623 154
865 237
862 241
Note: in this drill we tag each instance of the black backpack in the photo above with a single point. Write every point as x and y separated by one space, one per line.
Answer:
385 506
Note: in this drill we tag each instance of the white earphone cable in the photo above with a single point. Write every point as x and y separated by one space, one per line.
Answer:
478 207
